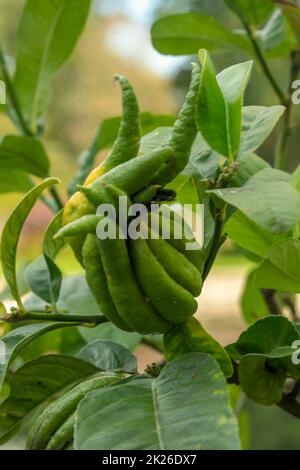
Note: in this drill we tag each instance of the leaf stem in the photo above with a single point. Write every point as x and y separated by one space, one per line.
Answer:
282 145
13 97
24 126
94 319
290 403
56 198
267 71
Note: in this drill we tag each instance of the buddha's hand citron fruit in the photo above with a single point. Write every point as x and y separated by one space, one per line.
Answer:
143 285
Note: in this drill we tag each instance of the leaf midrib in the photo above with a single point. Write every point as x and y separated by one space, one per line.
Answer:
155 411
44 59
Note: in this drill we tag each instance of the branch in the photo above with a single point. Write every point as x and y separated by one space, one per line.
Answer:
13 97
269 296
44 316
290 403
93 319
282 146
24 126
267 71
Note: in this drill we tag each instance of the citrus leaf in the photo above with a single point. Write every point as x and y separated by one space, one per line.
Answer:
11 234
258 123
109 356
280 270
186 33
47 35
24 153
162 413
253 304
277 209
20 337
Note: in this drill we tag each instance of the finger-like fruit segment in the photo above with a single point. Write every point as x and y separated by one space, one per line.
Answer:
170 299
176 265
55 414
126 294
83 226
175 225
98 283
132 176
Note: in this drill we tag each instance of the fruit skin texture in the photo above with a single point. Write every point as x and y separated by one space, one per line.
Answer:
97 282
176 265
59 411
124 290
139 285
169 298
183 134
125 147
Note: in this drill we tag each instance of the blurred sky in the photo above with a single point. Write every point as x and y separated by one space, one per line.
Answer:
130 36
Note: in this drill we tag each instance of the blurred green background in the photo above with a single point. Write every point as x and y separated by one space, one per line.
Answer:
117 40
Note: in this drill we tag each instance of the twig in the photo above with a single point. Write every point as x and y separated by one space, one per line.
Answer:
282 145
94 319
267 71
13 97
24 126
290 403
269 296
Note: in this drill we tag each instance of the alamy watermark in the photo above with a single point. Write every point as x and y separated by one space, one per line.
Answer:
296 93
2 92
2 352
180 222
296 353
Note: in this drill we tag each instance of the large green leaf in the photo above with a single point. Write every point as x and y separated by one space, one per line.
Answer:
253 304
44 279
192 337
250 236
268 199
34 383
253 12
267 335
267 348
47 36
24 153
21 281
186 33
109 356
249 165
260 382
20 337
109 331
105 136
276 38
233 82
280 270
11 234
292 13
219 105
18 182
186 407
258 123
